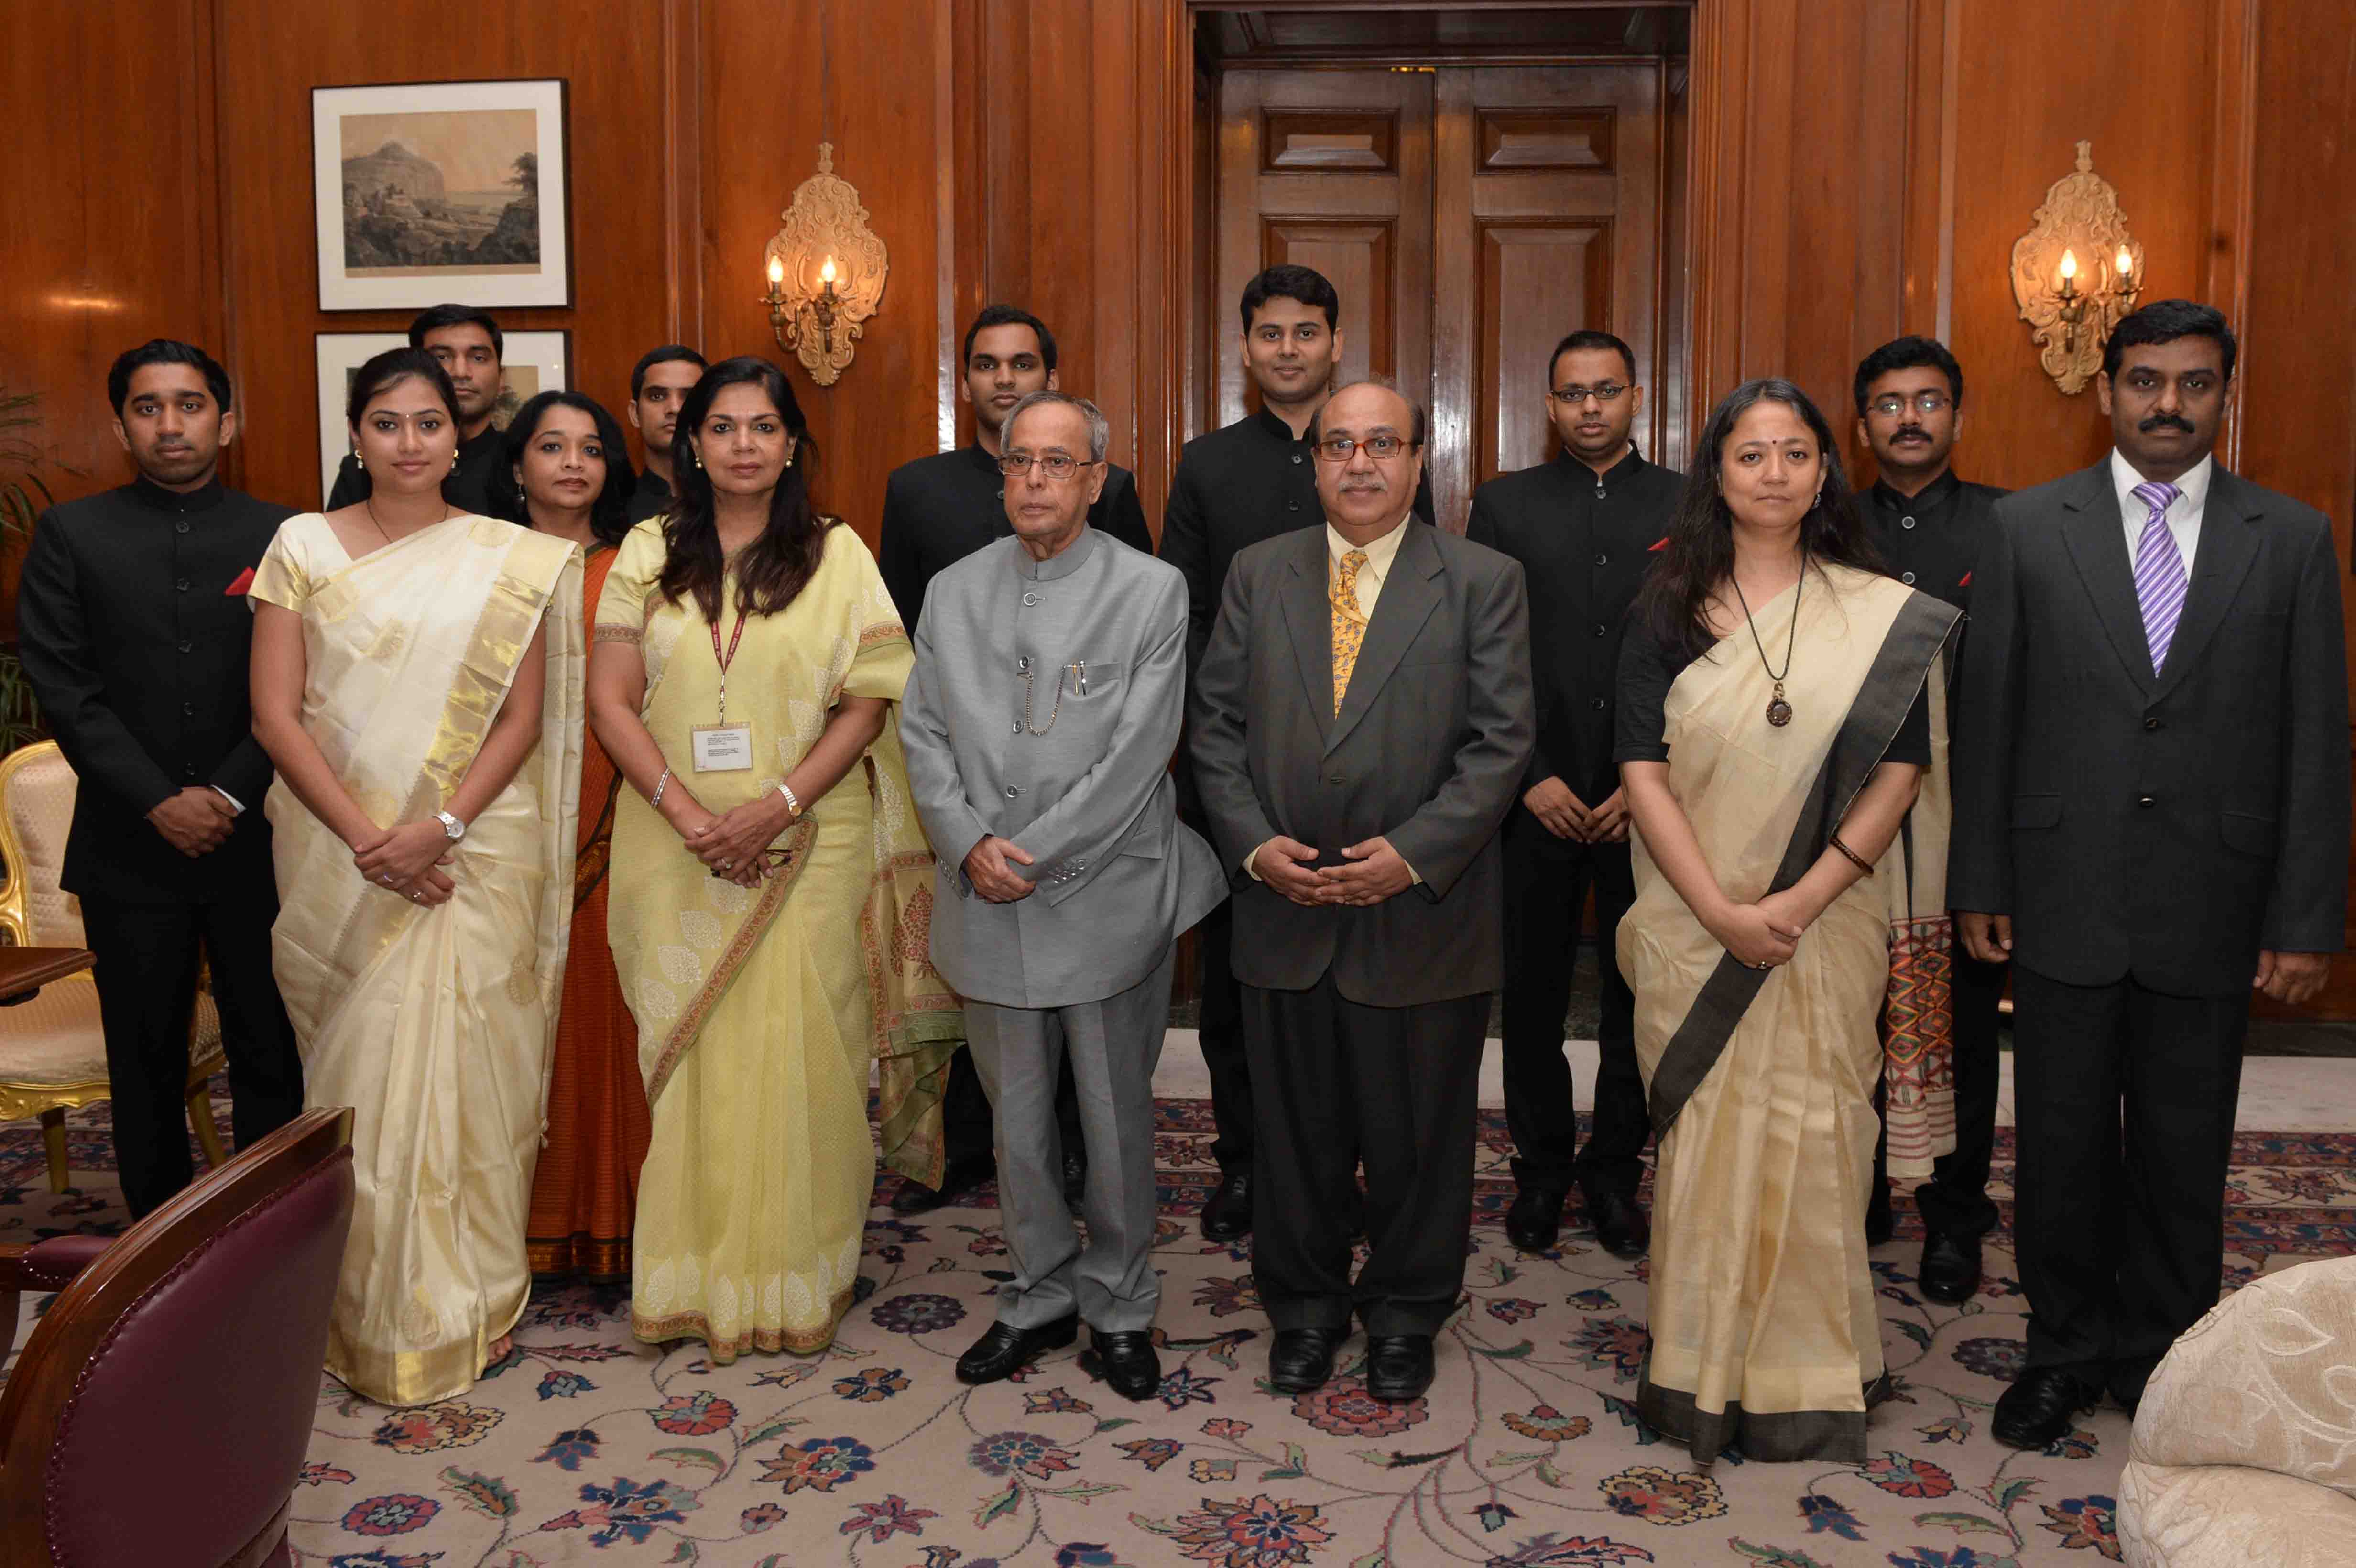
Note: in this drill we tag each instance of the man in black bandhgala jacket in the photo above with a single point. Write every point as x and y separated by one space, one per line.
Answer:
134 635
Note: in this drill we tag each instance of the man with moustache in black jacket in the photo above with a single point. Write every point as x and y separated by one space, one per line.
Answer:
1584 527
1930 525
135 636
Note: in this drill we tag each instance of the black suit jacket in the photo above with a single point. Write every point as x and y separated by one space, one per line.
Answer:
1585 542
1931 540
939 509
138 653
1428 750
2164 827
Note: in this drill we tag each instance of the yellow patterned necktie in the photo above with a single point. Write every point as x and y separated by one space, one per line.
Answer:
1349 621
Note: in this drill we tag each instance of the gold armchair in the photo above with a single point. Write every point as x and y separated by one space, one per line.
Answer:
53 1051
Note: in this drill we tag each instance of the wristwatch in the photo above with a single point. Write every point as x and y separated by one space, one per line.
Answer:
450 825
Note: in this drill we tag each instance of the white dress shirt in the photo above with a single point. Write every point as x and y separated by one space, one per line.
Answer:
2183 513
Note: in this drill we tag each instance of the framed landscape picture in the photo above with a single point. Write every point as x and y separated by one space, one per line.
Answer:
534 362
441 191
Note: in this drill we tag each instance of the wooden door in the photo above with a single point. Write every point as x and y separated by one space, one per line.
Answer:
1469 217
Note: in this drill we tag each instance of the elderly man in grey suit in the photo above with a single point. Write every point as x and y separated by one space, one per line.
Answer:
1361 720
1048 688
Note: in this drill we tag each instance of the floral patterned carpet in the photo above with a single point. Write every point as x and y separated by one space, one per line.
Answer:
585 1447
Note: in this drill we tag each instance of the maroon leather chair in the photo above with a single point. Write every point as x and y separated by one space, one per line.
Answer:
162 1408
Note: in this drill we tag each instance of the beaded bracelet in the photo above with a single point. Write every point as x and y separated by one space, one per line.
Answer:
661 784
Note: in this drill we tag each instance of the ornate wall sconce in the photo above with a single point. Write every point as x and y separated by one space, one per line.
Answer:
826 272
2076 272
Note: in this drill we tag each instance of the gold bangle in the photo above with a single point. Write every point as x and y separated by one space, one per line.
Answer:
1855 859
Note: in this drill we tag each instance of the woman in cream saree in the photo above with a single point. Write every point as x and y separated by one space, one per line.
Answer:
422 973
1769 769
766 977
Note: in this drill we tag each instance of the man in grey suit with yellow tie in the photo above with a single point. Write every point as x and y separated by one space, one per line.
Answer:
1361 720
1038 722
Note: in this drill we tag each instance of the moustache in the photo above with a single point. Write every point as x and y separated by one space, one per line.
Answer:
1910 432
2166 421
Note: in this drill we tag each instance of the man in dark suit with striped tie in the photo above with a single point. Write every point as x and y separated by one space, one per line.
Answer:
2151 776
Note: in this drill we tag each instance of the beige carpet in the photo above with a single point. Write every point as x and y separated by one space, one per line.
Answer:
586 1446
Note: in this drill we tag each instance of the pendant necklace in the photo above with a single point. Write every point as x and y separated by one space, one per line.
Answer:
1779 712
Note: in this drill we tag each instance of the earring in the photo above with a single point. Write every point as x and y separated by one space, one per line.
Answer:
789 460
454 463
696 453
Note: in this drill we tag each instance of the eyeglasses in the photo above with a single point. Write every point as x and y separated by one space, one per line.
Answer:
1381 448
1608 393
1893 405
1058 466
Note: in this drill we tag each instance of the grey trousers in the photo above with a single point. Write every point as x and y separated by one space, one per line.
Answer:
1114 1045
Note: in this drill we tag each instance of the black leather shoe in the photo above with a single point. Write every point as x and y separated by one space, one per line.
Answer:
2037 1409
961 1177
1007 1350
1301 1359
1534 1219
1398 1366
1125 1361
1619 1224
1880 1224
1950 1270
1228 1214
1076 1181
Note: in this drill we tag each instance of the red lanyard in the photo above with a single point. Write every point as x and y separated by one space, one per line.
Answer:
726 660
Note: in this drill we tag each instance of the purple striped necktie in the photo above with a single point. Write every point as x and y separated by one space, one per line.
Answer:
2160 578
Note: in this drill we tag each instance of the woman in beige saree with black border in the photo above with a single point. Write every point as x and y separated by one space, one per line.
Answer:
1758 943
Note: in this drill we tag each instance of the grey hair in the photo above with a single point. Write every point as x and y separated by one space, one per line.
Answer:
1099 427
1415 407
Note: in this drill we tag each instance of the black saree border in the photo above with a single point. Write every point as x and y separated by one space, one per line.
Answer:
1899 668
1770 1436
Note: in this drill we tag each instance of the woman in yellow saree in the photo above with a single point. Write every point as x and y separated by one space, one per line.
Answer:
416 680
771 885
1773 729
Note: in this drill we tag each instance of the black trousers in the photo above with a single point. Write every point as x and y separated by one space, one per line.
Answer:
1547 881
965 1131
1335 1082
1222 1030
146 959
2125 1100
1954 1201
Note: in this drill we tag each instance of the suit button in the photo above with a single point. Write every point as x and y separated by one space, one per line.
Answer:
1292 506
1013 790
186 646
1030 600
1907 578
181 586
1602 560
1600 629
2150 723
1018 726
1905 522
189 772
181 527
1596 703
1022 665
189 710
2146 801
1296 457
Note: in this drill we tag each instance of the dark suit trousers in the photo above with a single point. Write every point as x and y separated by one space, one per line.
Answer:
1222 1030
1546 880
2126 1105
1954 1201
146 958
1334 1081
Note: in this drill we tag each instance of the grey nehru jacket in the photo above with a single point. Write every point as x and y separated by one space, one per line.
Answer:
1088 647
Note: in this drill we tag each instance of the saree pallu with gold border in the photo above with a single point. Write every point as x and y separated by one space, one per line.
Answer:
1760 1082
760 1010
435 1024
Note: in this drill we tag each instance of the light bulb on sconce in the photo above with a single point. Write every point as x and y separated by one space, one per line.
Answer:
826 271
2072 306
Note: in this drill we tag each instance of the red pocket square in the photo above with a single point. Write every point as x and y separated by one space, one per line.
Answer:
1967 582
1656 546
237 590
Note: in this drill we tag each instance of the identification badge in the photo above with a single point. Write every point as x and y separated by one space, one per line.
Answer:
723 747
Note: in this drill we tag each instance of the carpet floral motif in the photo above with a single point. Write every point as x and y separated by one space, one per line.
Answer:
582 1446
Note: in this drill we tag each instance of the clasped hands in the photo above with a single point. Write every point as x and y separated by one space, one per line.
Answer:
2289 979
196 820
407 860
1375 873
1763 933
1564 815
734 843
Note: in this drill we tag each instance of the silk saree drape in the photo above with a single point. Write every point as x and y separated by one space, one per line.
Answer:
435 1024
1761 1083
761 1009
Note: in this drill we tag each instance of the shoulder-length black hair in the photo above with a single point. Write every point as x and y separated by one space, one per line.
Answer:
396 365
1674 607
609 514
774 567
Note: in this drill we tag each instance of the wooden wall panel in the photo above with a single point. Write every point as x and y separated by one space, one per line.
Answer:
1531 272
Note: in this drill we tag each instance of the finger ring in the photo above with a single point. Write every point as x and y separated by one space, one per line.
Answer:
386 878
727 865
419 897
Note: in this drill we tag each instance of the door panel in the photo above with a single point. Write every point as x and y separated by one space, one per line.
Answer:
1469 217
